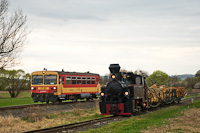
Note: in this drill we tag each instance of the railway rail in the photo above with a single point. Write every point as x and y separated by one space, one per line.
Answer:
68 127
40 105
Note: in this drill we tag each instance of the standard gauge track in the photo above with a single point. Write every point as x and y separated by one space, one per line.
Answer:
66 128
36 105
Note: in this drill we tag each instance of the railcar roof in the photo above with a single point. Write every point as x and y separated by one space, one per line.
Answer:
66 72
77 73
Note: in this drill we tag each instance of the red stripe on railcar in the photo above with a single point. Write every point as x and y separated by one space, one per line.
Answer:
78 93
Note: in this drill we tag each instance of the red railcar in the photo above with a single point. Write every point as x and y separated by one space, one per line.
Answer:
56 86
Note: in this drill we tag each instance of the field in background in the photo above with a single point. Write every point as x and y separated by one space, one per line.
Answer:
23 98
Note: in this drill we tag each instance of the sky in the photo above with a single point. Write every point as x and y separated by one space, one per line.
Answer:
89 35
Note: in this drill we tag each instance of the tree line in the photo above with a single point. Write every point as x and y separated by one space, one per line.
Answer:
161 78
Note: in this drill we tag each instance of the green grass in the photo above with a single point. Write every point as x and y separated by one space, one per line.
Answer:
178 130
195 95
138 123
23 98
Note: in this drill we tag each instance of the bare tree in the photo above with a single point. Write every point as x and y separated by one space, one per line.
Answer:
13 30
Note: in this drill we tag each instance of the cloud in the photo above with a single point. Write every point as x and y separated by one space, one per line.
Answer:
82 35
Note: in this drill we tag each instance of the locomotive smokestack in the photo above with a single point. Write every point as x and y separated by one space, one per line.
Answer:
114 68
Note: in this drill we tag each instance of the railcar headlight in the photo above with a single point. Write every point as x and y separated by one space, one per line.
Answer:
32 88
102 94
126 93
54 88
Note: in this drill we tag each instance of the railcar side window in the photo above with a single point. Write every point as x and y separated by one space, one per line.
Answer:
88 80
93 80
68 80
37 79
83 80
73 80
78 80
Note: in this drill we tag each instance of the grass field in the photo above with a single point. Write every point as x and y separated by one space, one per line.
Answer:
136 124
144 122
23 98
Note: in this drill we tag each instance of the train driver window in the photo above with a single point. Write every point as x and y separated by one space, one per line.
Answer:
88 80
78 80
73 80
138 80
68 80
93 80
83 80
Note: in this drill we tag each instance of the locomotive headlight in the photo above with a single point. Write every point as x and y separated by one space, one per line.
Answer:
102 94
113 76
32 88
54 88
126 93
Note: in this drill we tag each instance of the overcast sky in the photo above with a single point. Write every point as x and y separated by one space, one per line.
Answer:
88 35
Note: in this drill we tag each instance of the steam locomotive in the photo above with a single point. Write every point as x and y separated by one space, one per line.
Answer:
125 94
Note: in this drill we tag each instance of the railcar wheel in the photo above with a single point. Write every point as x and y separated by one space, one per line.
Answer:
59 101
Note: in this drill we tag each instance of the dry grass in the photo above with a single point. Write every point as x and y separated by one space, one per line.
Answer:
37 118
34 114
188 123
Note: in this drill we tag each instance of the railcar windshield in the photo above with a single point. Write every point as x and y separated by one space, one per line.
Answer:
37 79
50 79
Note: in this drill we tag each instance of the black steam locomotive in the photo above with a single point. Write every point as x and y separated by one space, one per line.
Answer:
125 94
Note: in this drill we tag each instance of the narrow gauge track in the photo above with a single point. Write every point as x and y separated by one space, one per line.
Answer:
65 128
40 105
68 127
